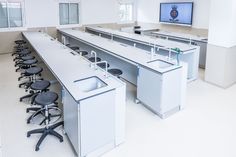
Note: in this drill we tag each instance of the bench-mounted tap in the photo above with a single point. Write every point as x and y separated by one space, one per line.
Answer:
106 67
177 51
93 53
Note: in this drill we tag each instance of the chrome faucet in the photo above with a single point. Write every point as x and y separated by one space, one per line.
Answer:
95 59
158 49
106 73
111 37
152 53
169 56
177 51
190 41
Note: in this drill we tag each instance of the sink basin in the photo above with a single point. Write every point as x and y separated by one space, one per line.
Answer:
160 64
90 84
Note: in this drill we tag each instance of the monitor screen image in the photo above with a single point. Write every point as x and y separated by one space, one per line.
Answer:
176 13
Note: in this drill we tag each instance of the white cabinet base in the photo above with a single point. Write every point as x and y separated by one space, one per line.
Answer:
161 93
95 125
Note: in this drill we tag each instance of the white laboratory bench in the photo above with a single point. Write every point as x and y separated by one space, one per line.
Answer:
94 105
140 68
139 29
181 35
189 53
186 38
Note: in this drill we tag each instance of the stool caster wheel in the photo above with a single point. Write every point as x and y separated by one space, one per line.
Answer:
28 121
61 140
28 135
20 100
37 149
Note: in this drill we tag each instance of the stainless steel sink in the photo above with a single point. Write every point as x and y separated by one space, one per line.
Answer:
160 64
89 84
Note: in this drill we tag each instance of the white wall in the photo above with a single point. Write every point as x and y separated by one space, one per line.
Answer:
222 25
41 13
99 11
221 56
45 13
148 11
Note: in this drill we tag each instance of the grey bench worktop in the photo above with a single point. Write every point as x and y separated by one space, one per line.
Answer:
126 52
181 35
147 39
67 67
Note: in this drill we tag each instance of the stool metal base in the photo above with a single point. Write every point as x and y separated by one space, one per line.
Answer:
45 132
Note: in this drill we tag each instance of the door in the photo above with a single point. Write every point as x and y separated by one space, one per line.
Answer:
149 88
97 122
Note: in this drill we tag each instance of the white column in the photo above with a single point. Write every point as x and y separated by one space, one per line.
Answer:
221 51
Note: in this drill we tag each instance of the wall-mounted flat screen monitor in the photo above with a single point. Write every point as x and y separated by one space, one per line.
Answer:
176 13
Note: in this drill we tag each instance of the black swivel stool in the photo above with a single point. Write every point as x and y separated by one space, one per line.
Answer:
19 48
46 100
77 49
24 58
92 59
28 73
74 48
20 42
27 58
27 64
21 53
36 88
103 65
31 74
82 52
115 72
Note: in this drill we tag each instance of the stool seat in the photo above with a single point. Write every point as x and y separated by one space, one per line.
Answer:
115 72
40 85
74 48
103 65
20 48
20 42
34 70
92 59
82 53
46 98
27 58
24 52
30 62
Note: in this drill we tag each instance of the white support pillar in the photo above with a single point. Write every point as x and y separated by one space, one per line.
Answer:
221 50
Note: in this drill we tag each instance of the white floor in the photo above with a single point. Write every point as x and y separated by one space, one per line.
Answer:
206 128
